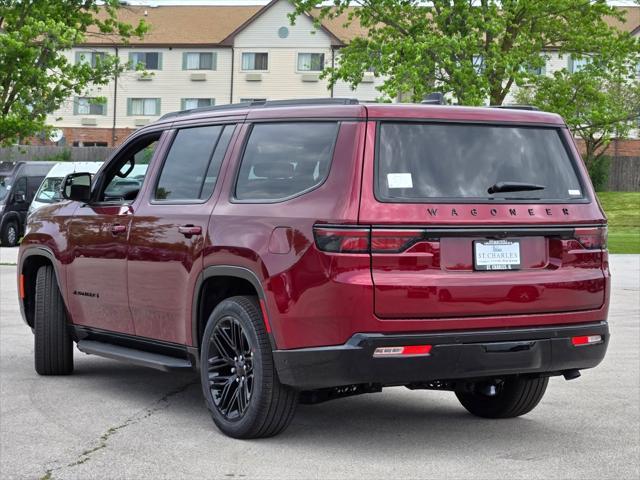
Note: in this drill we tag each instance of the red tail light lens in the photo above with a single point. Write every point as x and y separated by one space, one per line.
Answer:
342 239
394 241
592 238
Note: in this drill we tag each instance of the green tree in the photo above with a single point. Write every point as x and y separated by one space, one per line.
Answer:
35 74
598 104
475 50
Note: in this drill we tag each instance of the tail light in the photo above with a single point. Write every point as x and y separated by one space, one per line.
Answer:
394 241
342 239
354 239
592 238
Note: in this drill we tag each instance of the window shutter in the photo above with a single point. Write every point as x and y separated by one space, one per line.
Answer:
184 60
159 60
104 108
213 102
75 104
157 106
570 64
78 55
132 66
214 61
129 107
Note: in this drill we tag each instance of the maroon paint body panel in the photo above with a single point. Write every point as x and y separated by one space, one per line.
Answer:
145 275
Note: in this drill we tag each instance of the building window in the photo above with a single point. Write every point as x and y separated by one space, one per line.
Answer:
478 63
147 60
143 106
191 103
89 106
310 62
90 58
199 61
255 61
251 100
578 64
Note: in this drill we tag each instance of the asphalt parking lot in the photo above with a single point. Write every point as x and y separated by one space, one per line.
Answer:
112 420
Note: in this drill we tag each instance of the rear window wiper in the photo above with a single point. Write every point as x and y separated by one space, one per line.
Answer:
513 187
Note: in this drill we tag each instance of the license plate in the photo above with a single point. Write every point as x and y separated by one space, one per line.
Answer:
496 254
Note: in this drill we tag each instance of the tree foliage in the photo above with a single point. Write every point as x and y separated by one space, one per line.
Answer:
474 50
598 104
35 74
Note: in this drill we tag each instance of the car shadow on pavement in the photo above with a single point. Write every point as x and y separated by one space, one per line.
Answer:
396 419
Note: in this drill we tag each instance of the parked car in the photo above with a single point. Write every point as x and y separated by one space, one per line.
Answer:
305 251
49 191
18 184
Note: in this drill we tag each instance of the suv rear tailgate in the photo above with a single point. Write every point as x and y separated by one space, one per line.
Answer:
431 228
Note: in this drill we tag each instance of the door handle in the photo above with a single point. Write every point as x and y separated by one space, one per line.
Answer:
117 228
189 230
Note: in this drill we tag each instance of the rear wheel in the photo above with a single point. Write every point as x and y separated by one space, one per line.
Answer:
9 234
513 397
239 380
53 344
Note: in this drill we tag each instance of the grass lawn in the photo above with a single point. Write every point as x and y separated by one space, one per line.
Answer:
623 211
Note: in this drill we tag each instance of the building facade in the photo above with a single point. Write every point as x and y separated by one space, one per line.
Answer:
197 56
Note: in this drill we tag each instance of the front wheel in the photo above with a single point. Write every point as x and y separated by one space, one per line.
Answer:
53 350
9 234
239 380
513 397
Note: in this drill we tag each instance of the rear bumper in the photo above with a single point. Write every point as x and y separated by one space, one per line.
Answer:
454 355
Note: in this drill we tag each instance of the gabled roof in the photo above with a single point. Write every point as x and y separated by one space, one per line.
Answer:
230 38
217 25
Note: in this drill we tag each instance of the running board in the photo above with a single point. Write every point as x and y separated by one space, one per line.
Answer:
136 357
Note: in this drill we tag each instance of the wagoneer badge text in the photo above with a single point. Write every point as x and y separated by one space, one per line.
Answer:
513 212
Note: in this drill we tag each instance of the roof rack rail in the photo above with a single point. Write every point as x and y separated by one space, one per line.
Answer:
265 103
517 107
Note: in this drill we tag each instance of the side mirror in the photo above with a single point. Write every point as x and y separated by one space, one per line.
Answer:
77 187
19 197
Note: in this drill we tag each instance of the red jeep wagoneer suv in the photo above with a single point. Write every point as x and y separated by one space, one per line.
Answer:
308 250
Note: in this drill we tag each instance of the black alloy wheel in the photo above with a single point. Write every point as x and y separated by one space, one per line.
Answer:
230 368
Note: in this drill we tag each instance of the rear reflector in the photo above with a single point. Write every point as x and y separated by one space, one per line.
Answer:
586 340
592 238
409 350
22 295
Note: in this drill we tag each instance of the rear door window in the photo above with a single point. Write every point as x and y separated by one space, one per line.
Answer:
191 168
422 162
283 160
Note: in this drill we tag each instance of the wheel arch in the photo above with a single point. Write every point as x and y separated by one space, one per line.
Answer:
30 262
215 284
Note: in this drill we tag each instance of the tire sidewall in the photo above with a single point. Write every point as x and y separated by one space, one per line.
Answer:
6 241
235 428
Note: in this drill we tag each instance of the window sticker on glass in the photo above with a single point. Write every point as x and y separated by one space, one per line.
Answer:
574 192
399 180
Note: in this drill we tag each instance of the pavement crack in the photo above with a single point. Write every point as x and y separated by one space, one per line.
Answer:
102 442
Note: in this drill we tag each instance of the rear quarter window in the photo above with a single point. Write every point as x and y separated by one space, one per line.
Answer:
283 160
424 162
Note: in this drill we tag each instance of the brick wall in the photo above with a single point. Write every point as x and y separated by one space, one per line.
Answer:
618 148
84 134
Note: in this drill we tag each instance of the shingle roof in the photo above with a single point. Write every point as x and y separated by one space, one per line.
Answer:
212 24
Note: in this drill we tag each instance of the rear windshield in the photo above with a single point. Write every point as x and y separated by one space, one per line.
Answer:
419 162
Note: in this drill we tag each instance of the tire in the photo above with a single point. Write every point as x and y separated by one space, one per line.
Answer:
10 234
240 383
53 344
515 397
